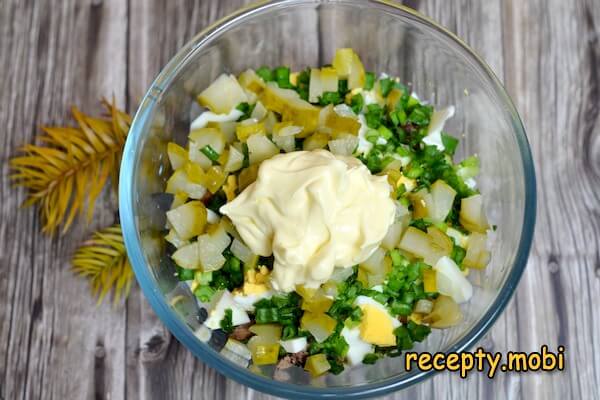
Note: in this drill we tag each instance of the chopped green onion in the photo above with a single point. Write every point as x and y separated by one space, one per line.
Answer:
209 152
266 74
184 274
402 309
458 255
418 332
385 133
226 322
386 85
357 103
369 80
412 102
342 87
246 109
204 293
450 143
403 339
330 98
396 257
203 278
373 115
400 190
282 77
370 358
372 135
420 115
414 171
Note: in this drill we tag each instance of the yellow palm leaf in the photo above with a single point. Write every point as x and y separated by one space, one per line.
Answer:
66 173
103 261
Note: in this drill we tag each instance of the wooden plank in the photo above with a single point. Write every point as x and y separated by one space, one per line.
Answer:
55 342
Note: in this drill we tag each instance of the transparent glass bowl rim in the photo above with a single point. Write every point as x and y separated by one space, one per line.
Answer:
183 333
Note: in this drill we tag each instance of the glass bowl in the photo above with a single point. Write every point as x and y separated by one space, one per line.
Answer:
390 38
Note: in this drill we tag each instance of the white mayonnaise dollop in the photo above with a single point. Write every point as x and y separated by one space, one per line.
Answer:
313 211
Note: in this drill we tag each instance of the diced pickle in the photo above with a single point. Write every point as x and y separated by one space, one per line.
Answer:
335 124
317 304
315 141
247 176
348 66
188 220
291 107
215 177
244 131
317 365
472 215
446 313
429 280
269 332
477 255
320 325
249 80
177 155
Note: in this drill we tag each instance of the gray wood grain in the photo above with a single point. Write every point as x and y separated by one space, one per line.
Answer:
54 341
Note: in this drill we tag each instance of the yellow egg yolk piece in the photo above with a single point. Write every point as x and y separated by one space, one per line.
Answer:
376 326
254 288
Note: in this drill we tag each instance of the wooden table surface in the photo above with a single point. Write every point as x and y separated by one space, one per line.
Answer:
56 344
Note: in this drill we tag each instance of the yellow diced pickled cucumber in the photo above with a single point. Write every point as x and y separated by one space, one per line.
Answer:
251 81
429 281
177 155
230 187
244 131
215 177
315 141
247 176
265 354
317 365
